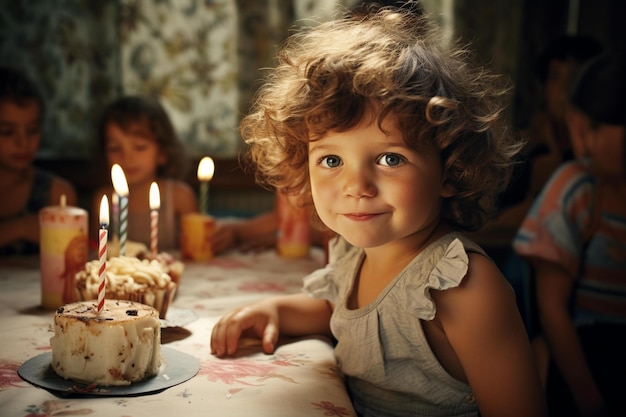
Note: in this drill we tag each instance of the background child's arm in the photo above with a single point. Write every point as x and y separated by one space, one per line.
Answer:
20 228
185 200
27 227
484 327
291 315
61 187
554 291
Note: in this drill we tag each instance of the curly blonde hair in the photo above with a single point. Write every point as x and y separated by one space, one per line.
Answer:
390 62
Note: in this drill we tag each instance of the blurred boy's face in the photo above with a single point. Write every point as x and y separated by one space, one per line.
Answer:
20 134
135 150
560 77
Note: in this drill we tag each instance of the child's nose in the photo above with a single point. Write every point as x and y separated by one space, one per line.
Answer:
22 138
358 182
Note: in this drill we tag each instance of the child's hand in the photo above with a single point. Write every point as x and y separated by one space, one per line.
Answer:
259 320
223 238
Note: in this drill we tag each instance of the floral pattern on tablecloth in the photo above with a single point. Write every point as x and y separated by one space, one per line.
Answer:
300 378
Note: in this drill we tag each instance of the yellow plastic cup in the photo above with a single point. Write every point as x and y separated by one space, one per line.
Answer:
195 236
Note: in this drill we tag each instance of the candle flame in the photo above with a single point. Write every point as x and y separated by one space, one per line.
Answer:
104 211
206 168
155 197
119 180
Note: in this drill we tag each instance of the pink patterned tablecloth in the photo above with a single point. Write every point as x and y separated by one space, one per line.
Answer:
299 379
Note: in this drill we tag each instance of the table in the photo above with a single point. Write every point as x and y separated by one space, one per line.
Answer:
299 379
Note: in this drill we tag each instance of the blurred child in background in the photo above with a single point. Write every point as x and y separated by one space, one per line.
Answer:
575 238
24 189
136 133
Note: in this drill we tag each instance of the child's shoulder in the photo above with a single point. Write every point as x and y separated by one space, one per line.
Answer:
180 187
183 195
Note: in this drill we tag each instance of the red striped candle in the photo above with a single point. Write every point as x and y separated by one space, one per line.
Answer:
102 250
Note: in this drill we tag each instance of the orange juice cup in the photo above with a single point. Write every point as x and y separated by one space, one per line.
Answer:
195 236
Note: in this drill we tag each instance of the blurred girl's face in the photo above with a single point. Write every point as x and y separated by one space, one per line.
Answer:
20 134
607 150
560 77
135 149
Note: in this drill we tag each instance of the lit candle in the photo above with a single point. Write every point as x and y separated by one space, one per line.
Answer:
115 214
206 168
102 250
121 188
155 205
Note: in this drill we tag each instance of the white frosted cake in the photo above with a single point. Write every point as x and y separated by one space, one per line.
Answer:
117 346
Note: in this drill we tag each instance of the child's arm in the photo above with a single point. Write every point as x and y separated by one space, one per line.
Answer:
27 227
483 326
291 315
185 200
61 187
554 290
257 233
21 228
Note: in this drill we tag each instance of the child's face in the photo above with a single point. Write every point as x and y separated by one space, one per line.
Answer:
135 150
372 189
20 134
560 77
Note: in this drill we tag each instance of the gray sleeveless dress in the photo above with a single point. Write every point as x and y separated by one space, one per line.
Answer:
381 349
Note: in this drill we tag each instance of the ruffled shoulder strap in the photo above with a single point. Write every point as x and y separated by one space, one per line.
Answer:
443 264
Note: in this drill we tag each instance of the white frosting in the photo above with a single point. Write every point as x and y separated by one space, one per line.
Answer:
118 346
127 278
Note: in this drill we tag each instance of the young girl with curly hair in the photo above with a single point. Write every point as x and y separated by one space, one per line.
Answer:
400 145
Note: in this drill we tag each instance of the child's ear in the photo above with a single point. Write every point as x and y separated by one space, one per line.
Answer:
448 190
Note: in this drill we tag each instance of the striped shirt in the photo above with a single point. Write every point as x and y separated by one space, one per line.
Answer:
566 226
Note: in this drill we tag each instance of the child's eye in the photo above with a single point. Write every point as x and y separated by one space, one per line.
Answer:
331 161
391 159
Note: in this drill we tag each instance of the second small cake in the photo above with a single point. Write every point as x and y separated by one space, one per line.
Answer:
128 278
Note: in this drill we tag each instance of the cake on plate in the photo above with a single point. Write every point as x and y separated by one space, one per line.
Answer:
119 345
129 278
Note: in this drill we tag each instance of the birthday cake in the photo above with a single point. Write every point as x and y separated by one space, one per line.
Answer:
172 266
119 345
129 278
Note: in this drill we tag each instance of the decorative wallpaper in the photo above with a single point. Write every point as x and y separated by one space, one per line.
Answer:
202 59
71 49
185 54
